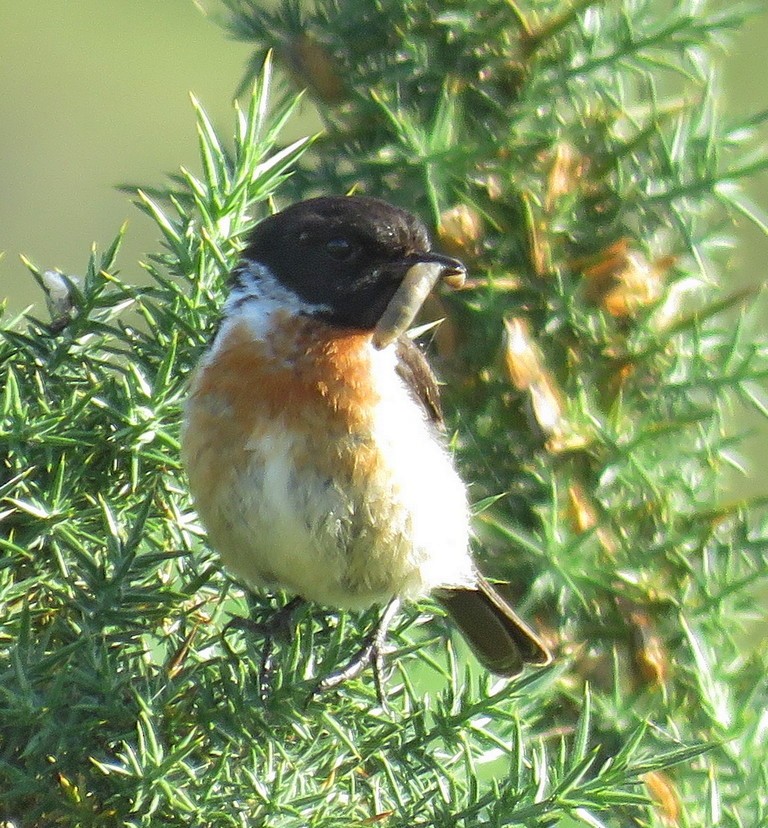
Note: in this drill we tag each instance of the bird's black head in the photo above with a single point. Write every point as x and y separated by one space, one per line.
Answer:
346 253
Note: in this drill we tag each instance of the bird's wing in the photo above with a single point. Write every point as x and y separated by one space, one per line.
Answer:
414 370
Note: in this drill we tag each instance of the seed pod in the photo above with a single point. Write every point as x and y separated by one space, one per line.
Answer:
460 230
525 367
666 799
60 291
316 68
622 280
567 172
648 651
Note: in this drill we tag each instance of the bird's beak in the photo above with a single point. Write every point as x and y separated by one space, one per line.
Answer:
419 280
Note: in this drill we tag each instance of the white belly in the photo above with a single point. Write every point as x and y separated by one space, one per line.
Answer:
400 528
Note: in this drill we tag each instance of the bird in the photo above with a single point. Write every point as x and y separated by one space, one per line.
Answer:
313 437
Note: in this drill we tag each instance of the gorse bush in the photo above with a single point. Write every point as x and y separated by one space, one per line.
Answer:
572 154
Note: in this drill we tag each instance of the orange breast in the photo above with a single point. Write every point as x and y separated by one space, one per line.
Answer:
306 377
304 369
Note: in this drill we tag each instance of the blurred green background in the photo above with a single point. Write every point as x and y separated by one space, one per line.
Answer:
94 93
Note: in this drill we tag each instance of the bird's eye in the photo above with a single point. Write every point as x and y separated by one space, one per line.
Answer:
340 248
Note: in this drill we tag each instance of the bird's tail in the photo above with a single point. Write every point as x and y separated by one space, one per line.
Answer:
501 640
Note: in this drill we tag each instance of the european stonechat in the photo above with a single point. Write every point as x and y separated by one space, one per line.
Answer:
313 435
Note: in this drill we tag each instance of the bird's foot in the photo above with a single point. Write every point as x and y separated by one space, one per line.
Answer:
278 627
372 652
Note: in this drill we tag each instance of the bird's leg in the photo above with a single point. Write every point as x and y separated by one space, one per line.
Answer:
370 653
278 627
